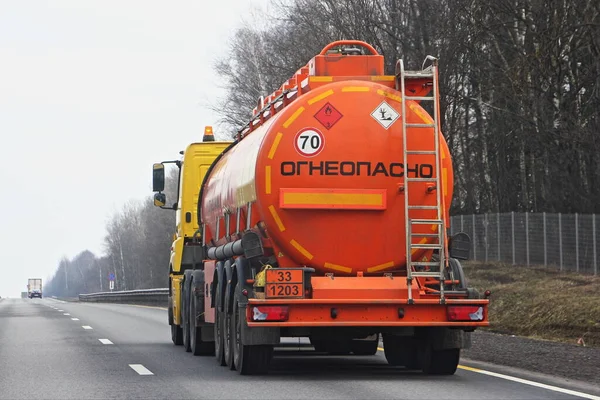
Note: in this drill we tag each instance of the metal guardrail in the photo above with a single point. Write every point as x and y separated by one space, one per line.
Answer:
157 296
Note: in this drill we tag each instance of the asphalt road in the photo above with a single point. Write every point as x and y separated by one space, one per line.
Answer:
56 350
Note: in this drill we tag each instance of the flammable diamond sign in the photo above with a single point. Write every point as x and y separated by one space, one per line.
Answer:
328 115
385 115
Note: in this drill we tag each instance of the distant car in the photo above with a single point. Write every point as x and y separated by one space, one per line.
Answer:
35 293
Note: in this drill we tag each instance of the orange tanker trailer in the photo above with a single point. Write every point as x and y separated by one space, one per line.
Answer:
327 218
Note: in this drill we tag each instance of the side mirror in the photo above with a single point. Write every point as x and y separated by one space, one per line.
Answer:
160 199
158 178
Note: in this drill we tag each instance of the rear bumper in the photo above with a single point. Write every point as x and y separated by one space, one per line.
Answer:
366 312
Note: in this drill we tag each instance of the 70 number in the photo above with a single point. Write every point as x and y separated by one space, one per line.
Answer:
313 140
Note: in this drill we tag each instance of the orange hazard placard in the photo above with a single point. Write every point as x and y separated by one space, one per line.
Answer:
284 283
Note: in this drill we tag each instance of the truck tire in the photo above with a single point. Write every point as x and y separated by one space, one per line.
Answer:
441 362
176 335
228 328
365 347
219 353
176 331
248 359
197 345
185 315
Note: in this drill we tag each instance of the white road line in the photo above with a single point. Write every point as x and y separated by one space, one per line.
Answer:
66 313
531 383
86 327
105 341
61 310
140 369
526 382
74 319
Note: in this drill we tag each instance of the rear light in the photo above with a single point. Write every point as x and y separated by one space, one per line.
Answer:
270 313
465 313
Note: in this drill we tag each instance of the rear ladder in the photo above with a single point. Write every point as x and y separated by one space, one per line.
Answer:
436 268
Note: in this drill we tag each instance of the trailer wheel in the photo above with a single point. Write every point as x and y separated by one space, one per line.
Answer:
248 359
185 305
219 353
365 347
197 345
441 362
228 330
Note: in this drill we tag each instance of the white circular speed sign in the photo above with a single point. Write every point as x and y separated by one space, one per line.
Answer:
309 142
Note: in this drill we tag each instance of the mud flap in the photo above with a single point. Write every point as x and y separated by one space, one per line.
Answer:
255 336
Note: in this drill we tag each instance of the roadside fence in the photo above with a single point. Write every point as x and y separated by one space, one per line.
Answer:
568 241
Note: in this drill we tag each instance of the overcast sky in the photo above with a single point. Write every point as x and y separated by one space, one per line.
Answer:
91 94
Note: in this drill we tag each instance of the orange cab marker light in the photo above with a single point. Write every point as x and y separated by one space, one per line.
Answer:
275 145
276 218
320 97
208 134
301 249
380 267
291 119
337 268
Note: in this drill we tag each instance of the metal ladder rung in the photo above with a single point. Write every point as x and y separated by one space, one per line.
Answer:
422 207
426 274
430 246
417 152
421 179
430 235
419 98
415 125
426 221
418 74
425 264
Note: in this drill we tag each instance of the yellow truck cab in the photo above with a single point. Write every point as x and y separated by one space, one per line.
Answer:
187 250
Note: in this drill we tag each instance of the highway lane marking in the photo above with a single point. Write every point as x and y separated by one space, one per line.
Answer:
525 382
140 369
105 341
66 313
61 310
74 319
530 383
86 327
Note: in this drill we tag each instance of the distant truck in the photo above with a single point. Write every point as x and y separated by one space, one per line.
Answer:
34 288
